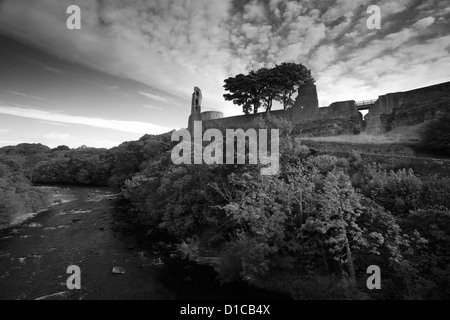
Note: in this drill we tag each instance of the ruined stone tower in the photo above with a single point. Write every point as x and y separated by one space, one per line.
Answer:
196 108
306 105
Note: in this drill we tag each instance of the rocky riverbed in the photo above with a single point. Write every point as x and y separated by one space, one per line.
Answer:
92 228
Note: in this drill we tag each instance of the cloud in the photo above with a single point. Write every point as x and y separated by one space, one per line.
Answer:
169 45
424 23
149 106
407 67
44 66
58 136
154 97
174 45
390 7
341 7
118 125
25 95
52 123
255 11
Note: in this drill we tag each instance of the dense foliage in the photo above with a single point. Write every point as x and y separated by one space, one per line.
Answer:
435 138
87 166
27 164
17 196
312 230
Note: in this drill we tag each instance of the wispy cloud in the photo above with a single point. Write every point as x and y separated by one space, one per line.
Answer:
25 95
119 125
154 97
149 106
59 124
43 66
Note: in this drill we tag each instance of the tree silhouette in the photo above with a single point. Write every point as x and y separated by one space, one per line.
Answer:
290 76
262 87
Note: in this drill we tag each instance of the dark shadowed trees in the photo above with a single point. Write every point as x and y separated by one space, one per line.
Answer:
264 86
290 76
436 137
245 91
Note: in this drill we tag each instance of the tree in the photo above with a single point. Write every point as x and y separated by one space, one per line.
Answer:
61 148
262 87
245 91
435 138
271 86
290 76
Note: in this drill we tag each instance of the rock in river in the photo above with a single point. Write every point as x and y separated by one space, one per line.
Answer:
118 270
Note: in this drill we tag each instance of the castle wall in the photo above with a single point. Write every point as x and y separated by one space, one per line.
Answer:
308 119
306 105
340 110
408 108
211 115
389 112
196 108
233 122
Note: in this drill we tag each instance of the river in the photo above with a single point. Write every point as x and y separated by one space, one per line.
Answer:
93 229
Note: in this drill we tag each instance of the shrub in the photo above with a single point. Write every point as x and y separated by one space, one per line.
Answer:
435 138
435 192
324 163
398 191
17 197
433 259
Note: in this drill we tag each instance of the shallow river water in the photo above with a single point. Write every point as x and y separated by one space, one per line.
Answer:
91 228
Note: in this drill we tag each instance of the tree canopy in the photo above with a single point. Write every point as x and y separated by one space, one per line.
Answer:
260 88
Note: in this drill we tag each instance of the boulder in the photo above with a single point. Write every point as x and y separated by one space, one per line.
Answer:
118 270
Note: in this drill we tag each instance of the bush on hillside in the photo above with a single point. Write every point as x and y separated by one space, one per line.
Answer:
435 138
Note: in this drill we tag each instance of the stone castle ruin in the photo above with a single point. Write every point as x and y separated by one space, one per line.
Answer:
386 113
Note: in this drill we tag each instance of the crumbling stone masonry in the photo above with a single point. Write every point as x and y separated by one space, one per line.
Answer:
387 113
408 108
196 110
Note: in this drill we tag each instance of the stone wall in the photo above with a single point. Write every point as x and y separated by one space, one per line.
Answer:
211 115
340 110
340 118
306 105
307 117
233 122
408 108
196 108
325 127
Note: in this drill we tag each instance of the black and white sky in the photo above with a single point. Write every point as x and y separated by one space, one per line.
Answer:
132 67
